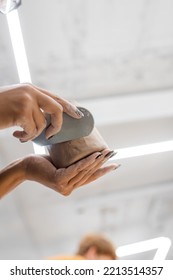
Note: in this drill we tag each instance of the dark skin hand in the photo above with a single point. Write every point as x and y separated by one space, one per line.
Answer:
25 105
64 180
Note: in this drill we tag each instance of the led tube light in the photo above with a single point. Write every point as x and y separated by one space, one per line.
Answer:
20 57
18 46
161 244
143 150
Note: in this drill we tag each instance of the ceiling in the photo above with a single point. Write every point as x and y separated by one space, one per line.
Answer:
116 59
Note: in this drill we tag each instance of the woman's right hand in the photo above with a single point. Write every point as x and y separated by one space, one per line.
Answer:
25 105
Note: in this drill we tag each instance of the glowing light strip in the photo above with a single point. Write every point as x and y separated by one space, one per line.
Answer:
20 57
18 47
142 150
8 5
162 244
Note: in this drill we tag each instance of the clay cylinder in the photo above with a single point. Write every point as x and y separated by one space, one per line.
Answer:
66 153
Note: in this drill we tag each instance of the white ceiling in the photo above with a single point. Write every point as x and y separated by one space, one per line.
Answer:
116 59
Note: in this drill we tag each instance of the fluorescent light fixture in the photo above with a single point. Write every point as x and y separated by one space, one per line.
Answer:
20 56
8 5
161 244
143 150
18 46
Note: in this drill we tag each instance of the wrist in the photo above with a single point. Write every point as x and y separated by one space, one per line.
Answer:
11 176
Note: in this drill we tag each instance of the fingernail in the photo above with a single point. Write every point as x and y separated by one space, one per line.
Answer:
98 156
117 166
110 154
79 113
23 141
48 138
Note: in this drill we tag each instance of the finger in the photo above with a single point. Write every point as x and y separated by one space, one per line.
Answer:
76 168
33 127
55 124
40 122
48 105
68 107
99 173
55 110
29 129
20 135
88 170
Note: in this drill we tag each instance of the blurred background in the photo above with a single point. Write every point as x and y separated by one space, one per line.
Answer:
115 57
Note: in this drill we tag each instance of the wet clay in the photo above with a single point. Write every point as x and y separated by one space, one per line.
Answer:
66 153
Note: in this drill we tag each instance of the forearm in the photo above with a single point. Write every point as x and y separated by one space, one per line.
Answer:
11 176
6 117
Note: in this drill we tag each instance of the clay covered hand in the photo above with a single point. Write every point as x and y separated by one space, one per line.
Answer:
25 105
63 180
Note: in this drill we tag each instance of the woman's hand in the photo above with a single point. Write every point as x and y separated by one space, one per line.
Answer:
65 180
25 105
